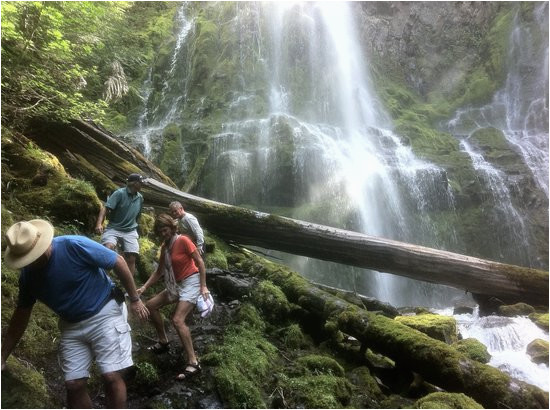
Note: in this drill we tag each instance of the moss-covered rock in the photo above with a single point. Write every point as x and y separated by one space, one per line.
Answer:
540 319
241 365
538 350
147 259
474 349
439 327
518 309
369 393
318 364
24 387
271 301
443 400
294 338
316 391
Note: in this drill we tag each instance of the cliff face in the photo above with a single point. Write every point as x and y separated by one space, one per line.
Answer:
431 44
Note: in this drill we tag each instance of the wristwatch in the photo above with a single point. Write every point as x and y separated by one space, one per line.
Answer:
134 299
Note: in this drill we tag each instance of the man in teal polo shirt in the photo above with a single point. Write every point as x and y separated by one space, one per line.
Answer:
123 208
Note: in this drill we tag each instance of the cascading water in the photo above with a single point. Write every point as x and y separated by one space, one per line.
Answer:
518 112
506 339
327 144
156 115
520 108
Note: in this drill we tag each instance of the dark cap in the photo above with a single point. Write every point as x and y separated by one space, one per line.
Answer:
135 178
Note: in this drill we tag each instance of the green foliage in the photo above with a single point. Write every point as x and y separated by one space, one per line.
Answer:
146 375
58 57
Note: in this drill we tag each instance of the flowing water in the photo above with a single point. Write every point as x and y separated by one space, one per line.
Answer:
325 148
520 108
506 339
336 155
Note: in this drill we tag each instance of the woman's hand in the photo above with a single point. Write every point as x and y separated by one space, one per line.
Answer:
139 309
204 292
140 290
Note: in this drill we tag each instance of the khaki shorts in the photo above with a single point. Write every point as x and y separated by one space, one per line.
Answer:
189 289
105 337
128 240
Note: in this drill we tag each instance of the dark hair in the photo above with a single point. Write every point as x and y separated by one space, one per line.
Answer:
165 220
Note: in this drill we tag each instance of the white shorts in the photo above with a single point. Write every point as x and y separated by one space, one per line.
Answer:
128 240
105 337
189 289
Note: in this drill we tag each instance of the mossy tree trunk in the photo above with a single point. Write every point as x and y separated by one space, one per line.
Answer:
509 283
437 362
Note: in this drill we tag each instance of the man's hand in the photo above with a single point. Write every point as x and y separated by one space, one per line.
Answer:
99 229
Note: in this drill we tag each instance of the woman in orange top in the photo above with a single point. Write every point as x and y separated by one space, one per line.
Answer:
185 279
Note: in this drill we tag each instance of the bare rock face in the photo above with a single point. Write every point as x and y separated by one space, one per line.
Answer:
421 38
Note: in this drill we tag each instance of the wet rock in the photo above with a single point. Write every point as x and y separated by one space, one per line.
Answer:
474 349
538 350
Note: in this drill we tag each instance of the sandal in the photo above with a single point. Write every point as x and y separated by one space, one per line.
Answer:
159 347
187 374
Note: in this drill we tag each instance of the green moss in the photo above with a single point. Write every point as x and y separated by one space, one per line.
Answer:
319 392
540 319
473 349
442 400
294 338
368 393
538 350
439 327
147 258
23 387
271 301
146 223
146 375
216 252
241 363
317 364
249 317
518 309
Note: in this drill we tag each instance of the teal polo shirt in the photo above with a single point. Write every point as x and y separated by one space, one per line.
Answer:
125 210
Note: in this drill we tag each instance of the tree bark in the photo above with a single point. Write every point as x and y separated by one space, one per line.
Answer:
509 283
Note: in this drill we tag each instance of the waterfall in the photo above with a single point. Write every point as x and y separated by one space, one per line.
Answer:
166 108
506 340
326 147
520 108
511 235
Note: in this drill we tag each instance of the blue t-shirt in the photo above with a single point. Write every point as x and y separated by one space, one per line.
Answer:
74 283
125 209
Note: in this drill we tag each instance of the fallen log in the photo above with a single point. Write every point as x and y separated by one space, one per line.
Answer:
509 283
437 362
85 148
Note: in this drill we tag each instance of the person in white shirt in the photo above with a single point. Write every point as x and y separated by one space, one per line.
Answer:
188 225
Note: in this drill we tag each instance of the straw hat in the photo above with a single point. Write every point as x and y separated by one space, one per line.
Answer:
26 242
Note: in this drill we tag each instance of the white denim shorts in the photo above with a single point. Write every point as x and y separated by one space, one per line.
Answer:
105 337
189 289
128 240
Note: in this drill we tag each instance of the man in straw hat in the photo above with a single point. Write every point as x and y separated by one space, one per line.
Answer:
123 208
68 274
